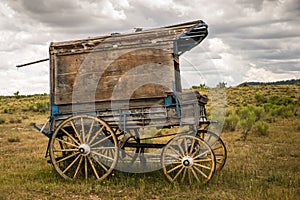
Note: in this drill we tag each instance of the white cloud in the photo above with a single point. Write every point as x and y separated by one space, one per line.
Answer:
108 9
263 75
217 45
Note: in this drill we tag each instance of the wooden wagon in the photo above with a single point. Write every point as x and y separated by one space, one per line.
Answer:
113 98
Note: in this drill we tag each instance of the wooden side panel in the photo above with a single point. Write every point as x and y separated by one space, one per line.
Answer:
113 75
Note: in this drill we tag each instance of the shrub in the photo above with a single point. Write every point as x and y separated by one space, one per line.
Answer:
221 85
281 110
16 139
267 107
260 128
258 112
228 113
231 122
25 117
243 112
9 110
277 100
40 107
17 121
260 99
286 101
246 125
274 99
247 119
2 121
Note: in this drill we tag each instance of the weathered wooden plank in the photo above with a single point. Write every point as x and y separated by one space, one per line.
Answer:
132 70
110 105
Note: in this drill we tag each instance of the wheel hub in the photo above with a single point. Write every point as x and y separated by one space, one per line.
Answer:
84 149
187 161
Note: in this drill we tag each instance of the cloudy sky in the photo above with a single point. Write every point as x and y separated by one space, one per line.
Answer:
249 40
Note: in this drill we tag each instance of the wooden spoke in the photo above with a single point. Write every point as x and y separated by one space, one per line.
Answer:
102 148
103 166
202 166
195 152
201 154
82 130
65 150
93 167
175 151
96 135
90 131
201 172
195 175
186 148
192 147
216 148
219 161
103 139
184 174
175 157
178 173
75 131
180 147
171 170
78 167
189 176
65 142
85 167
72 163
209 138
203 160
70 136
103 156
68 157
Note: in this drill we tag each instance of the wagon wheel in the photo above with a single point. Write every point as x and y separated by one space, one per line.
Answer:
83 146
131 136
217 145
188 158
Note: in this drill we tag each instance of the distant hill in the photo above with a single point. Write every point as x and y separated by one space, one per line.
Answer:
285 82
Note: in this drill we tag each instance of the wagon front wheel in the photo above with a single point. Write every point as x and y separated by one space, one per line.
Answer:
83 146
188 159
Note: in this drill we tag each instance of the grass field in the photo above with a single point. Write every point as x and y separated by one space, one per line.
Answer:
260 167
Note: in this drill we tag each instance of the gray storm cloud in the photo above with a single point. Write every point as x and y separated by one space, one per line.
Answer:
247 38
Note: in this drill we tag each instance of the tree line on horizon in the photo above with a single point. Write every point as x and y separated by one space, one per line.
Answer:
283 82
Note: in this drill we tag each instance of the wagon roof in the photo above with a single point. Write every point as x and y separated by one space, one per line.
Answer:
177 38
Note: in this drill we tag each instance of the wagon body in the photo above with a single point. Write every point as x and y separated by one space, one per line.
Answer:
117 73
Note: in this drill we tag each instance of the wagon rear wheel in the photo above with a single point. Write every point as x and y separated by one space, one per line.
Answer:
188 158
83 146
217 145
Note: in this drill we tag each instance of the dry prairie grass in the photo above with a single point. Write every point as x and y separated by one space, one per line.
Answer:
262 167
